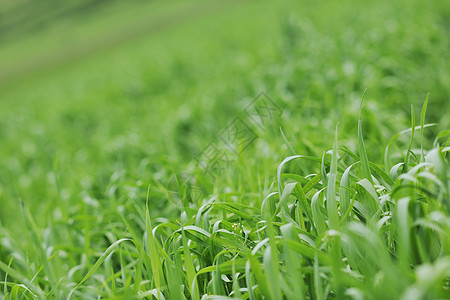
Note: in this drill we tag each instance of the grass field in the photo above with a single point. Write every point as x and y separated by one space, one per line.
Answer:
225 149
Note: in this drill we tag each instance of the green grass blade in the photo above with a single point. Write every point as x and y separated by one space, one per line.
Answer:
365 169
18 276
296 284
422 123
318 217
270 262
333 216
152 249
344 193
408 151
190 269
98 263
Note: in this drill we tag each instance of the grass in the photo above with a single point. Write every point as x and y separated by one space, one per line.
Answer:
108 184
315 236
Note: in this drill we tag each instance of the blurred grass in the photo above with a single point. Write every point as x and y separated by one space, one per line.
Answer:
152 87
159 100
98 103
70 32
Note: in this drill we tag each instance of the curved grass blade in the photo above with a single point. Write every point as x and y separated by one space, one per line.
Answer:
344 190
98 263
15 274
422 122
408 151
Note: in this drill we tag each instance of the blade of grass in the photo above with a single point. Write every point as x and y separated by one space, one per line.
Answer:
97 264
18 276
408 151
333 216
152 248
333 220
365 169
422 122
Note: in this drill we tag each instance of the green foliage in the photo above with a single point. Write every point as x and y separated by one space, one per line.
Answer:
102 194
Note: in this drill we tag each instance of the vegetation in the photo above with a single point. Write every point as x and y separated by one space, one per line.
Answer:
245 150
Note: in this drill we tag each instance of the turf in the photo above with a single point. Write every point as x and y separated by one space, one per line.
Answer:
246 150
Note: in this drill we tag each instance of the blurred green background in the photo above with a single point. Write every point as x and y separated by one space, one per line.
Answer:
108 86
99 99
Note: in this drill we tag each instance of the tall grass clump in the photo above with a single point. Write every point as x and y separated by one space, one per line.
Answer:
351 230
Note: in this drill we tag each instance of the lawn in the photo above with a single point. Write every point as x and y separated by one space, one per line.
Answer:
225 149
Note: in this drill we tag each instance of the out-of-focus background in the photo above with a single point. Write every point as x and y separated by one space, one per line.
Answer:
99 99
94 92
38 36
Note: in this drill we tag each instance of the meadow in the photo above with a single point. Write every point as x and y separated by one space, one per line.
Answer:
216 150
